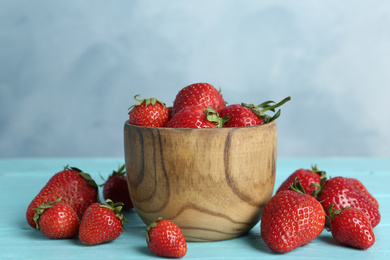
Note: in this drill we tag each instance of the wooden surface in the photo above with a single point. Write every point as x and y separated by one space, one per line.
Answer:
213 183
21 180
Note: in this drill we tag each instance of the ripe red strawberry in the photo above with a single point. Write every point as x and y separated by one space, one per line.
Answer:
249 114
196 117
57 219
101 223
240 116
351 227
198 94
170 112
116 189
291 219
75 187
148 112
164 238
359 185
343 192
310 179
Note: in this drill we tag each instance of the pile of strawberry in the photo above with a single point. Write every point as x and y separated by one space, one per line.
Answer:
307 202
68 205
200 105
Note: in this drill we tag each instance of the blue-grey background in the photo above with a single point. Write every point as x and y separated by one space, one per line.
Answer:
69 69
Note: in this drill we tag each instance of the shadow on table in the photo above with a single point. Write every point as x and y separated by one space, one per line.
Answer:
36 235
328 239
145 251
254 239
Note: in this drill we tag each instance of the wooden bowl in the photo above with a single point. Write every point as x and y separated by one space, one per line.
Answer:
213 183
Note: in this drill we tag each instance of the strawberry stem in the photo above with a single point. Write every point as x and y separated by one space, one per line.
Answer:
116 207
151 225
333 213
323 178
272 108
213 116
297 186
314 169
265 106
148 101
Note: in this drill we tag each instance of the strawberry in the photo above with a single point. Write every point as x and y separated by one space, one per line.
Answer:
101 223
75 187
343 192
249 114
196 117
116 189
57 219
291 219
310 179
351 227
199 94
170 112
164 238
148 112
240 116
359 185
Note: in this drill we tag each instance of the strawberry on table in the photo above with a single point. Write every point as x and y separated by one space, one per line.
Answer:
310 179
72 185
242 115
57 220
344 192
203 94
164 238
101 223
358 185
351 227
148 112
291 219
196 117
116 189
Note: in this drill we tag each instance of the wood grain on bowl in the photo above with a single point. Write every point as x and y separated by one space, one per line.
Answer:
213 183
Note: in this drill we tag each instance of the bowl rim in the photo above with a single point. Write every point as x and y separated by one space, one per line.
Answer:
197 129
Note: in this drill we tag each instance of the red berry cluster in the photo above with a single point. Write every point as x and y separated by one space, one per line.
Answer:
200 105
68 205
293 218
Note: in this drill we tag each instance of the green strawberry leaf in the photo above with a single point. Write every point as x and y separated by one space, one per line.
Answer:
260 110
297 186
41 208
148 101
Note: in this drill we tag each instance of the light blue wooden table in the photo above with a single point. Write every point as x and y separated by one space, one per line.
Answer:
22 179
